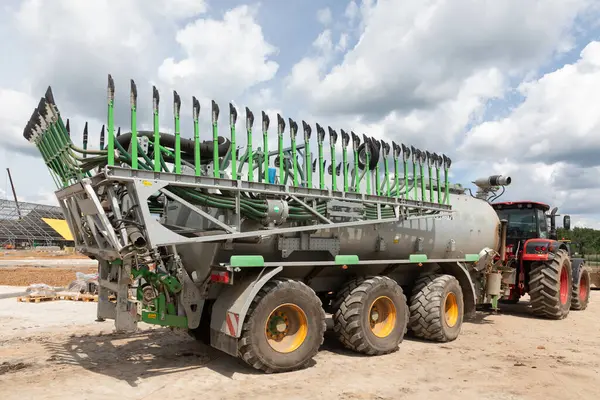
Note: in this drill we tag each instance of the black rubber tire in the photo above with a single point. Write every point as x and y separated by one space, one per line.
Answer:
253 346
373 157
351 321
578 302
544 287
427 308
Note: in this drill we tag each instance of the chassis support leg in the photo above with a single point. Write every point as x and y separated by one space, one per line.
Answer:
114 277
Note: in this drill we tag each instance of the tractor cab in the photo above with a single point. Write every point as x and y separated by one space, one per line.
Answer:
528 220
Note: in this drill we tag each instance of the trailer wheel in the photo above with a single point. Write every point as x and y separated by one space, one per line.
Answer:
581 291
436 308
550 287
284 327
370 315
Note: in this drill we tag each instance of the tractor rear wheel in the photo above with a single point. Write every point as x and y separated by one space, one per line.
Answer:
581 290
550 286
284 327
371 315
436 308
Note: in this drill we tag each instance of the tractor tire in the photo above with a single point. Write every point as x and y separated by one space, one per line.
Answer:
371 315
550 287
436 308
581 291
284 327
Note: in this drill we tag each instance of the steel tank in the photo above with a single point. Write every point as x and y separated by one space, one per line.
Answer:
472 226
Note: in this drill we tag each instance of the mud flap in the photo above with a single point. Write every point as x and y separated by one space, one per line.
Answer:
576 266
190 299
231 306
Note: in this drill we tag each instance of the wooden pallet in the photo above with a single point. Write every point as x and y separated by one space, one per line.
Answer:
78 296
86 297
35 299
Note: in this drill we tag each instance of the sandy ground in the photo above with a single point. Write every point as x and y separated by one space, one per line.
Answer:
20 254
53 276
55 350
47 262
11 258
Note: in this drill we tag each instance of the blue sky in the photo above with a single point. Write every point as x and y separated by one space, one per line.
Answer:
501 87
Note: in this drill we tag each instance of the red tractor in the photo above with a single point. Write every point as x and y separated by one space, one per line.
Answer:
541 265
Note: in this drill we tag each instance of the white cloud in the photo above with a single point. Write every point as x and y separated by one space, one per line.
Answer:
324 16
323 42
221 56
417 54
306 73
557 121
183 8
73 45
16 109
342 43
352 10
440 128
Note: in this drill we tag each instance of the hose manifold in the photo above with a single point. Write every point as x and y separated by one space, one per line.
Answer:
277 212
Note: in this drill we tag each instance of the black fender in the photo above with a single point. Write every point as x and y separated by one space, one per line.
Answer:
577 264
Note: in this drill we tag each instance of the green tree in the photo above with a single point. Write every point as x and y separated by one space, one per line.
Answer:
588 237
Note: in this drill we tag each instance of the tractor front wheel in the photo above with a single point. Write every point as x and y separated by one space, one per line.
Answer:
550 286
581 290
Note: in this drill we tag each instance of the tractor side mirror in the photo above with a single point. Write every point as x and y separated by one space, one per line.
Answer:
567 222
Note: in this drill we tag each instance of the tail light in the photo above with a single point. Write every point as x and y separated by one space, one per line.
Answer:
510 250
221 277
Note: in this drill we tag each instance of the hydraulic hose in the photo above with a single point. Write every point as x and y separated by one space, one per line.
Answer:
187 145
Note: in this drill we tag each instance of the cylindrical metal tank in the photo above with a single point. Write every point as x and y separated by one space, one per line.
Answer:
473 226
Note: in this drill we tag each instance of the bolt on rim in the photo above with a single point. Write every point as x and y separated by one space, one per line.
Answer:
286 328
564 285
451 310
382 316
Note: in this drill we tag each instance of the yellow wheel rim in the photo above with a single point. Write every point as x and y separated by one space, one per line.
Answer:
286 328
382 316
451 310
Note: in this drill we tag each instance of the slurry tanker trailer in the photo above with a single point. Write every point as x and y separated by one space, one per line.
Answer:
250 254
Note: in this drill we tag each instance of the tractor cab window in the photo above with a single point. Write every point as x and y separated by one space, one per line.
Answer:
522 223
541 216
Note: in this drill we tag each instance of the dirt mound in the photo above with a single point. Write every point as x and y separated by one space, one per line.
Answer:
23 254
25 276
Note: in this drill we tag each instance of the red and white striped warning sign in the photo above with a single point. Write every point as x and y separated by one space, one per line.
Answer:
233 321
